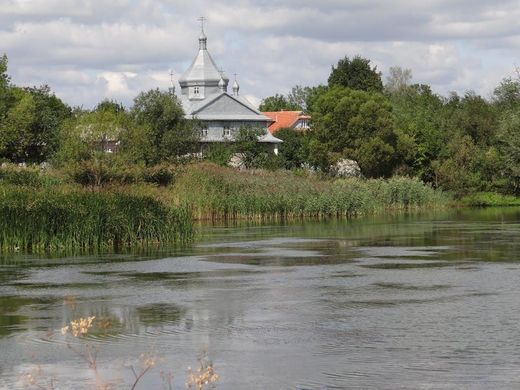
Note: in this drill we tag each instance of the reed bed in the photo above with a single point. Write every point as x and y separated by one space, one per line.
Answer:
66 218
222 193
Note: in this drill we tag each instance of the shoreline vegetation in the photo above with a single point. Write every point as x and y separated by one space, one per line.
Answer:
45 210
115 176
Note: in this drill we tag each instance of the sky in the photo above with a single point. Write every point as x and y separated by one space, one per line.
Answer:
90 50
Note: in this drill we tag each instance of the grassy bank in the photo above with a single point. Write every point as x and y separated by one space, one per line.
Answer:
489 199
61 218
47 211
219 193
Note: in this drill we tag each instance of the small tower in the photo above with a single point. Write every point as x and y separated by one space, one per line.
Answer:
222 85
203 40
236 87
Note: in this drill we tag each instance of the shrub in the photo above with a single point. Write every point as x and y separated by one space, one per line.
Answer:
161 175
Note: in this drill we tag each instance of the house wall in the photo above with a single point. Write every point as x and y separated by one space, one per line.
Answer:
214 131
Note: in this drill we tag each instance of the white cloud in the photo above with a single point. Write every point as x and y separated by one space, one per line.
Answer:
88 50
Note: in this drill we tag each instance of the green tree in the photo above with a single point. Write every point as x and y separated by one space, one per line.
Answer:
110 105
246 143
15 130
356 74
509 147
170 134
291 151
507 94
460 171
419 117
356 125
29 128
50 113
507 101
4 87
278 103
219 153
475 117
85 136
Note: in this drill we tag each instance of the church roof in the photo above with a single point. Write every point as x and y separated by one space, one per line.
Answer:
203 68
284 119
233 108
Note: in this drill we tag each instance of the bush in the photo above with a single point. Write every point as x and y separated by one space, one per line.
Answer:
161 175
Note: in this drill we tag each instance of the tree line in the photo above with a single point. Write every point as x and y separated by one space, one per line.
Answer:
463 144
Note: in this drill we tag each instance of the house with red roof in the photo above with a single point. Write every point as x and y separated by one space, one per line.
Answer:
297 120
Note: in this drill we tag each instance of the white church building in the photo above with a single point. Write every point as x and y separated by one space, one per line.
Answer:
204 96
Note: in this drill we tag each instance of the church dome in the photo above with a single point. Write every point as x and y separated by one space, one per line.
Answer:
203 70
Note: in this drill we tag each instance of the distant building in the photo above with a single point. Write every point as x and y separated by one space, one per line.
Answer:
288 119
204 97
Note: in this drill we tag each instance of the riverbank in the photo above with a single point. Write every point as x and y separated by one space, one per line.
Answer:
489 199
45 210
217 193
67 218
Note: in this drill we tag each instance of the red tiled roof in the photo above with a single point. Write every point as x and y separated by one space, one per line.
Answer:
283 119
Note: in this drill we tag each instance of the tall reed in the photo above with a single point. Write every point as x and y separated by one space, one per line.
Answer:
221 193
70 218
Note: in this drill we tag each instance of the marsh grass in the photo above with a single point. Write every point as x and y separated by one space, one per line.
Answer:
490 199
222 193
41 212
65 218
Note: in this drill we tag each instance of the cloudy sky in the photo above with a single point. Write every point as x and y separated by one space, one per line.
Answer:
89 50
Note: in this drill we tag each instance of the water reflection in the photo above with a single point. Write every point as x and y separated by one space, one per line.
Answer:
407 301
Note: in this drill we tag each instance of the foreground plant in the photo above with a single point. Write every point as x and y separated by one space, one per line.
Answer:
203 376
77 330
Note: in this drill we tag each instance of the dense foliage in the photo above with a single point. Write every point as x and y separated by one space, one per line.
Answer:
464 144
356 74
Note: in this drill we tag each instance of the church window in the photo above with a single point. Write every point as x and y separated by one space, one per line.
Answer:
227 131
196 90
204 132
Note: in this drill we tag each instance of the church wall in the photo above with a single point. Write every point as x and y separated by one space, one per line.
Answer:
215 129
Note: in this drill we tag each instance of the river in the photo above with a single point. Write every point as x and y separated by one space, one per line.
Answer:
428 301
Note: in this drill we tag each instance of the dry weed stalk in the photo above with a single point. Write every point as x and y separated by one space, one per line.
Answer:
80 327
205 374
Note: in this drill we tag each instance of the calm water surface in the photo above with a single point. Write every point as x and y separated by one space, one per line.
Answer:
408 302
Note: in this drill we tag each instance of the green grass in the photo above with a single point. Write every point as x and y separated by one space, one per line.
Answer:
66 218
42 210
490 199
215 192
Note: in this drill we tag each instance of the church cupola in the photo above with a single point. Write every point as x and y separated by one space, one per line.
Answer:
203 41
202 79
236 87
222 85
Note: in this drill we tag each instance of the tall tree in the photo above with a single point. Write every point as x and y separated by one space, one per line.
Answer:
30 125
170 134
398 79
356 125
291 151
419 117
278 103
356 74
4 87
